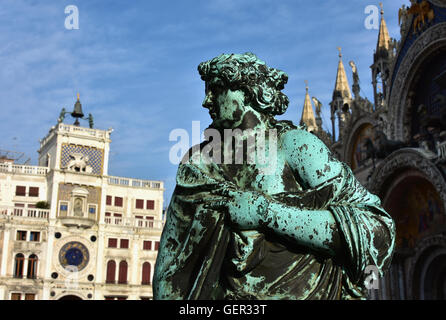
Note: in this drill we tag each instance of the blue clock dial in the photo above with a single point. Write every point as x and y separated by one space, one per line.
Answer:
74 254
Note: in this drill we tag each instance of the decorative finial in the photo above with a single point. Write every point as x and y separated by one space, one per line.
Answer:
306 85
340 52
78 96
382 8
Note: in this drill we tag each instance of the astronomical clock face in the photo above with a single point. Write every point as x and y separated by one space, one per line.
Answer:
74 254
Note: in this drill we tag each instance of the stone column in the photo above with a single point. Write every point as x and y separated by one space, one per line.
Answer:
49 252
5 251
100 262
135 262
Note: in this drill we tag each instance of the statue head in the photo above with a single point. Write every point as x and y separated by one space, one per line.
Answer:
237 82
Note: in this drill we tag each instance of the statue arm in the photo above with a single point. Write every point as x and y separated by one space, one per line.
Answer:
309 158
314 229
366 229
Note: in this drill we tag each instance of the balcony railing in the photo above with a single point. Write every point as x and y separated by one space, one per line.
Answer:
135 222
67 128
23 169
32 213
135 183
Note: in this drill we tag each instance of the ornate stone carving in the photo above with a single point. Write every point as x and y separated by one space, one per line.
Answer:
409 158
439 3
79 163
438 240
423 14
428 42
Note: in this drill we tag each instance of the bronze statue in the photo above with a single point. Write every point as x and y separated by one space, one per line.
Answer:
306 230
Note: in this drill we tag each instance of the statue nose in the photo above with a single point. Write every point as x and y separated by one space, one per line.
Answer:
207 102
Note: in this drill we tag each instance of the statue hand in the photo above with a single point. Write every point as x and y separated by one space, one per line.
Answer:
246 209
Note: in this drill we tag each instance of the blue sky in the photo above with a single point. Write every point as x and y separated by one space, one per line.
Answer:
134 64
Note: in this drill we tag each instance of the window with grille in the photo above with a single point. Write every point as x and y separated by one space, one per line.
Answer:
118 202
19 265
34 236
20 191
122 278
111 271
139 204
147 245
32 267
21 235
33 191
150 205
145 273
124 244
112 243
16 296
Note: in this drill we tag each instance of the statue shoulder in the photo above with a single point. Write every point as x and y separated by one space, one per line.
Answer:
309 157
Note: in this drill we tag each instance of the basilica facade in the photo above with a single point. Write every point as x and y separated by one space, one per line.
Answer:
69 230
396 145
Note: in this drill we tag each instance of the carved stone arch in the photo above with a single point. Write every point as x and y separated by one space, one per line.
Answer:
426 251
420 51
70 295
408 158
351 138
439 3
413 191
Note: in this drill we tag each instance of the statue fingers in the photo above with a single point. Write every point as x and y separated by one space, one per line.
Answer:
216 204
224 191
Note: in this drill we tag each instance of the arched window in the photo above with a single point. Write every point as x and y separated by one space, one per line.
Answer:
111 271
122 272
32 267
146 273
19 265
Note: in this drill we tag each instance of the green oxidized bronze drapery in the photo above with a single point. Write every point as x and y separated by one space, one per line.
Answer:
308 230
203 257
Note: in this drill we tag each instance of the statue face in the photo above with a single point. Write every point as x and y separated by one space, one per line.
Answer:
225 106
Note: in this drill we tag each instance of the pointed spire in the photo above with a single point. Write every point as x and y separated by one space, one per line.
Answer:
342 88
307 113
383 37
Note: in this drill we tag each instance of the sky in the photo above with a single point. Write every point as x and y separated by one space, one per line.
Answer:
134 64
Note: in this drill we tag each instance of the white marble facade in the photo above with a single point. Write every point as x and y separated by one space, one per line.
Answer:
99 237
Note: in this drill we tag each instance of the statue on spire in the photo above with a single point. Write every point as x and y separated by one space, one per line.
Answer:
318 106
356 88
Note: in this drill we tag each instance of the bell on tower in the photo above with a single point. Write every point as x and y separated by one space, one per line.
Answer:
77 112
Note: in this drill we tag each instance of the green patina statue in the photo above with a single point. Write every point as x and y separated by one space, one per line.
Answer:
306 229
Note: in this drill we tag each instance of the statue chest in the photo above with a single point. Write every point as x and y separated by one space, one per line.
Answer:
271 177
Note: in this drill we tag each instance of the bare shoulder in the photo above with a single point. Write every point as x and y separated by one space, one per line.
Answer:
309 157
